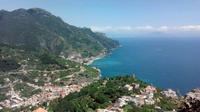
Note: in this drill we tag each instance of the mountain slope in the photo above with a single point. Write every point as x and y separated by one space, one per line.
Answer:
37 29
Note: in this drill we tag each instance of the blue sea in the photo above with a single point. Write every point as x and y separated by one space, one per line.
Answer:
164 62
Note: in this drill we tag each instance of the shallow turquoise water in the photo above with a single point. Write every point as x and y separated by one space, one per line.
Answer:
163 62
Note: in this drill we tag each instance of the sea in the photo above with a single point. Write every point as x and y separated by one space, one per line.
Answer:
163 62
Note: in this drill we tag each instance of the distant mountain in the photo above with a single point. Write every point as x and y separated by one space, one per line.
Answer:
38 30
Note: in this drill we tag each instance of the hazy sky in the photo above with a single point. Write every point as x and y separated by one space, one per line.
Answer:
122 16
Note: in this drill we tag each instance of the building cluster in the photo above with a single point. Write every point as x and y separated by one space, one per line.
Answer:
14 100
194 94
170 94
145 97
193 97
49 92
132 86
77 57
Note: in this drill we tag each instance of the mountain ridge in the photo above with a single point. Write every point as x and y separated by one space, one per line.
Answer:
37 28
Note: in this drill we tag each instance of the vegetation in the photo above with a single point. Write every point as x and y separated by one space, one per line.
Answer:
166 104
38 68
25 90
97 95
132 108
90 72
30 44
36 29
103 93
9 64
2 97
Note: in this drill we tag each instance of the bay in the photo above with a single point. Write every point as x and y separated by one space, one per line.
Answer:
163 62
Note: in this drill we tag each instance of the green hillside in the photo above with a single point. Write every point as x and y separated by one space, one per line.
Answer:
36 29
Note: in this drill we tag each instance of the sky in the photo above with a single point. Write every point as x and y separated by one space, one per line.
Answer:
123 17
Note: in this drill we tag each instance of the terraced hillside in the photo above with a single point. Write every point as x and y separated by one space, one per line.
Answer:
31 78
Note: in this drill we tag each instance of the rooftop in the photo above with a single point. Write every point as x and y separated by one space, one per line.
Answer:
40 110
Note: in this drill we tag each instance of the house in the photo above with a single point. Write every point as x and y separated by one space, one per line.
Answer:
132 86
128 87
150 89
170 94
121 102
102 110
40 110
135 86
149 101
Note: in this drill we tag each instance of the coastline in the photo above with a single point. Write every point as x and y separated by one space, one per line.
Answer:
101 55
92 59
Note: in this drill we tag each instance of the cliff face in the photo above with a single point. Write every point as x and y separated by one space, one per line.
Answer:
37 29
